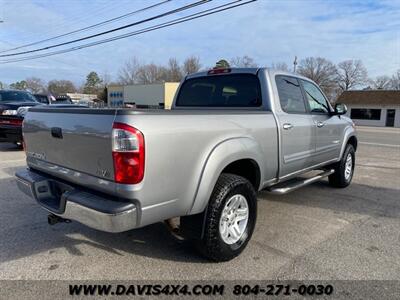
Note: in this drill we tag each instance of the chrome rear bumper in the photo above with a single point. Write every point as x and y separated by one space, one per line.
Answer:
94 210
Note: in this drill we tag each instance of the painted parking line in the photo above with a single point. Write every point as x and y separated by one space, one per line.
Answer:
382 145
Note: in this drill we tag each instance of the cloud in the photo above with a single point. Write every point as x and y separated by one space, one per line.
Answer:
269 31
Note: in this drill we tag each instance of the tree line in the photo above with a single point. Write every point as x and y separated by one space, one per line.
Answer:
93 85
332 78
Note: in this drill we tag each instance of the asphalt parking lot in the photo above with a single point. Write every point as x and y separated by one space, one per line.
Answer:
314 233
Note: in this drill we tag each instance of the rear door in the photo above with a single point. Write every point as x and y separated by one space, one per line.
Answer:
297 128
328 127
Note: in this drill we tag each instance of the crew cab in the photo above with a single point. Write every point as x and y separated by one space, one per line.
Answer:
229 134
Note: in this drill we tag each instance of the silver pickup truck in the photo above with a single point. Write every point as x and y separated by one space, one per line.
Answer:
229 134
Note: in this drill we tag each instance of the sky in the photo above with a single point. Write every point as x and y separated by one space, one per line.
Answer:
269 31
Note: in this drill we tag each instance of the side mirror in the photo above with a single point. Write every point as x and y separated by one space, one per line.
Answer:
340 109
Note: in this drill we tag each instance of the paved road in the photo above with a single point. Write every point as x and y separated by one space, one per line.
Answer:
314 233
373 136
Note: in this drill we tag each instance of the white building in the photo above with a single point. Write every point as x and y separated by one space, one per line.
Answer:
373 107
82 98
142 94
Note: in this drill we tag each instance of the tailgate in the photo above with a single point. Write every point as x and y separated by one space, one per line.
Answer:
75 139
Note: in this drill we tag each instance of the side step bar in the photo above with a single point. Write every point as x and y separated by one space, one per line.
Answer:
285 188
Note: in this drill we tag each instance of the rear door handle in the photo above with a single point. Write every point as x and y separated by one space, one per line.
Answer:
320 124
287 126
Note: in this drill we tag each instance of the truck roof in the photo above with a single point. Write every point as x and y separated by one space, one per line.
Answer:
232 71
270 71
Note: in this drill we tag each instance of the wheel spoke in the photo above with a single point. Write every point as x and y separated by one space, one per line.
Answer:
232 232
241 214
236 204
236 230
231 204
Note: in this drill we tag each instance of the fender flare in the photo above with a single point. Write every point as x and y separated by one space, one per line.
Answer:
348 133
223 154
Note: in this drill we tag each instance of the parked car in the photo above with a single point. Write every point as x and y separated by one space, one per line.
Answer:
45 98
13 106
51 100
229 134
64 99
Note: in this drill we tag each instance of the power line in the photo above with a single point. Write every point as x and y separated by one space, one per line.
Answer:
90 27
59 26
190 17
182 8
52 58
148 29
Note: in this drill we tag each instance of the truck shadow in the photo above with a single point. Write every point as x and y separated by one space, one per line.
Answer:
9 147
24 231
152 241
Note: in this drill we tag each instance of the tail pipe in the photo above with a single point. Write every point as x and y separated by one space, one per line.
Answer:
53 219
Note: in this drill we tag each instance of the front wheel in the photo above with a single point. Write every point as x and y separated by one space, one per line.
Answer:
344 169
230 218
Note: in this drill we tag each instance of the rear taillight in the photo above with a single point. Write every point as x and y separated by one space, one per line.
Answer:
128 154
219 71
16 122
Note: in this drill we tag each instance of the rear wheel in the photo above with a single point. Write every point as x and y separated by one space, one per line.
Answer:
229 219
344 169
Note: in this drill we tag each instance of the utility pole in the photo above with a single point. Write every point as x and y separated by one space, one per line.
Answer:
294 64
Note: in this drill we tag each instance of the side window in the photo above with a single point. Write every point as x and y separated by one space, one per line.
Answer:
315 98
290 94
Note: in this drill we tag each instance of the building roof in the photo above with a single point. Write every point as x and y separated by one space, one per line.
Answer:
385 97
112 85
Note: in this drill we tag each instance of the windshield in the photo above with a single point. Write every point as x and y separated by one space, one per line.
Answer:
42 98
16 96
233 90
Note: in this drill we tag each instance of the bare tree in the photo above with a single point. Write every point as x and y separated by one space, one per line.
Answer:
151 73
35 85
351 73
128 74
106 78
381 82
395 81
320 70
58 87
281 66
174 72
191 65
243 62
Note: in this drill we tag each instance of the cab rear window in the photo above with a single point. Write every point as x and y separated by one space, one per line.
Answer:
233 90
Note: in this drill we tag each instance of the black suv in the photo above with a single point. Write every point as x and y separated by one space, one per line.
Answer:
13 106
